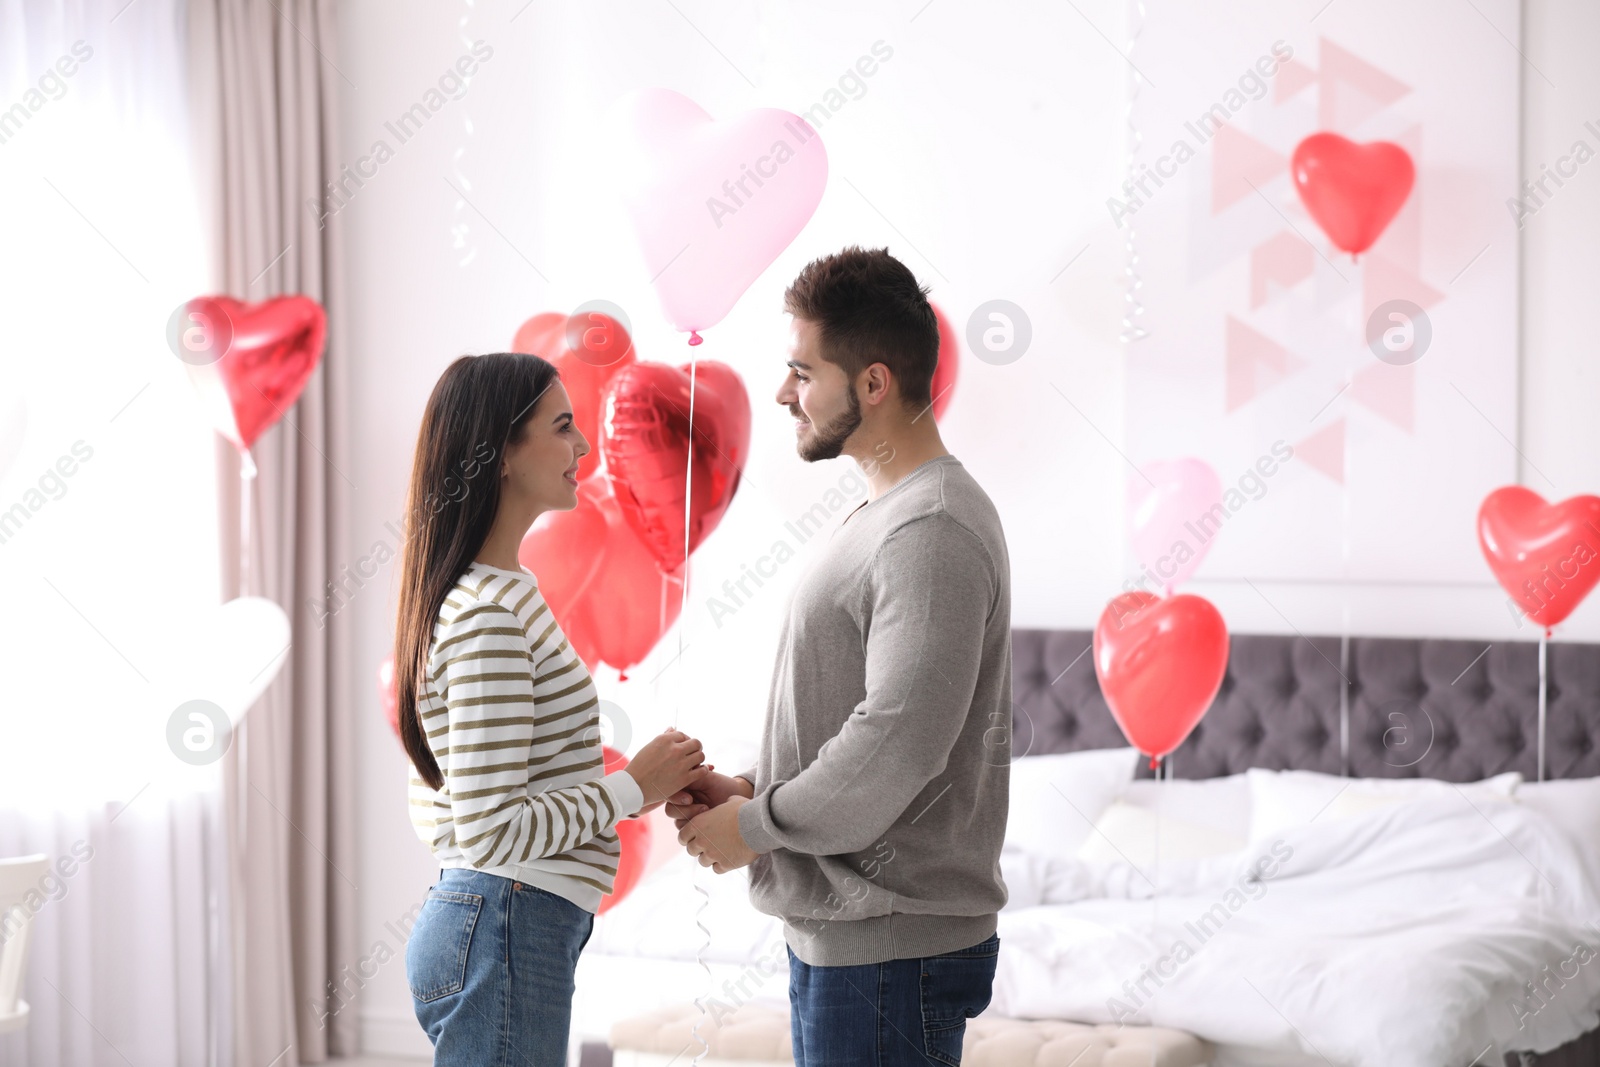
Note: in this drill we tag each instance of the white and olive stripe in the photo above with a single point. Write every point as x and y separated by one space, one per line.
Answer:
512 716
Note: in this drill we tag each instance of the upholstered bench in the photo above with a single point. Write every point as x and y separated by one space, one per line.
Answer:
1051 1043
757 1036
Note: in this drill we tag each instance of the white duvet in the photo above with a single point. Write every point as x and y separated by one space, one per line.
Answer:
1439 933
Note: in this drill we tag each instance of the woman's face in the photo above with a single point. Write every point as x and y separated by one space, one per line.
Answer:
542 468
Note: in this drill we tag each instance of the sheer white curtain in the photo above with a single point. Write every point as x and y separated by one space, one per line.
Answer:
108 560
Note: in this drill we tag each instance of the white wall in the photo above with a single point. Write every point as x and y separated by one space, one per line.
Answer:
980 153
1561 261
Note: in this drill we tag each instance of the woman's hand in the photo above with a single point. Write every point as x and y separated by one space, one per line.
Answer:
665 767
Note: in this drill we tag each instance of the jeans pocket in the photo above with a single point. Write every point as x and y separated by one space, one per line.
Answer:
436 954
955 987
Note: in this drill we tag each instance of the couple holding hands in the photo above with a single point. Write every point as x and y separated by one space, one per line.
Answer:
873 819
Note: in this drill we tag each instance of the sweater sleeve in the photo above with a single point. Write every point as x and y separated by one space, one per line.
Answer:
486 678
930 590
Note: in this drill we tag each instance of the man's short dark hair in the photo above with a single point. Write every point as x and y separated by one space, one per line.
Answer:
869 309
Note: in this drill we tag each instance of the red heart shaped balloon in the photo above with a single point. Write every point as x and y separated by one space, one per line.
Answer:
1160 662
945 374
603 585
269 351
1352 190
587 351
564 548
1547 556
645 441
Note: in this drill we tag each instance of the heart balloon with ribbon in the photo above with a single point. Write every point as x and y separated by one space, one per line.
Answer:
645 439
1160 662
1545 556
587 350
564 549
1353 190
1168 505
230 656
604 586
712 202
249 363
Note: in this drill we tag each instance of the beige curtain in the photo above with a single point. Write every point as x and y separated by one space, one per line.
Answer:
265 90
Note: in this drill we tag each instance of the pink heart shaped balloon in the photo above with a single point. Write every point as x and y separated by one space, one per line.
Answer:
713 202
1173 516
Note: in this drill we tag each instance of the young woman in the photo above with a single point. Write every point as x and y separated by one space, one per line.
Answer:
501 722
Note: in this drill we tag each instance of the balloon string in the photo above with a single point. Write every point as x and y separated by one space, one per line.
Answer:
1155 866
1344 587
1133 312
1544 640
688 500
247 476
683 622
699 957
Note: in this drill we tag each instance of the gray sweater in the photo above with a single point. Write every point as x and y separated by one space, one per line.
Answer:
881 785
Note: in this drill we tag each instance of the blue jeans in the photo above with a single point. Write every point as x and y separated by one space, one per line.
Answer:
892 1014
490 963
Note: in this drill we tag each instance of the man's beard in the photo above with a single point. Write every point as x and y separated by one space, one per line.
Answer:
827 442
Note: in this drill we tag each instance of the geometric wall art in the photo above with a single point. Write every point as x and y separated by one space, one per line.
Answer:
1390 377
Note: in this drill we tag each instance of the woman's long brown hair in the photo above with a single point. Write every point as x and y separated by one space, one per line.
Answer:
480 405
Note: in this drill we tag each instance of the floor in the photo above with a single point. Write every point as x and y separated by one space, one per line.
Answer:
593 1056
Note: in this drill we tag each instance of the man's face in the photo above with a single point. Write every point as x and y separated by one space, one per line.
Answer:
819 395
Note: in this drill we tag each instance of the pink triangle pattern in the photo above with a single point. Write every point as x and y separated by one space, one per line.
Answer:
1254 362
1389 391
1351 90
1238 161
1382 281
1401 243
1283 259
1324 450
1292 77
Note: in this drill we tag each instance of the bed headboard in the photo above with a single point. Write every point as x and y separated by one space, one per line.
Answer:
1380 707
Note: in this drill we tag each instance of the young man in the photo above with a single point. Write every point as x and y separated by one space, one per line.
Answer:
874 817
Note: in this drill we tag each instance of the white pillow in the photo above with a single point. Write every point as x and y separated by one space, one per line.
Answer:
1025 875
1573 804
1055 799
1128 834
1220 804
1287 800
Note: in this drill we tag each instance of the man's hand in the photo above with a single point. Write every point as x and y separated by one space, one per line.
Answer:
713 838
709 791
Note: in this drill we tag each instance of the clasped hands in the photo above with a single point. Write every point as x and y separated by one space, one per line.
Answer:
703 804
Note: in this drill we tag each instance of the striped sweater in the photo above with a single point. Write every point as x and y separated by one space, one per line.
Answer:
511 714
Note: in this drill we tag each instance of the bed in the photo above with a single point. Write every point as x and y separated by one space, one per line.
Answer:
1455 711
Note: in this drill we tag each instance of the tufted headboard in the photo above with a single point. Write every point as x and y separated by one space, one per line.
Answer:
1380 707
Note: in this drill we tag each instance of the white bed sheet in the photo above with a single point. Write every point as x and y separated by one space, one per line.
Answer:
1401 938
